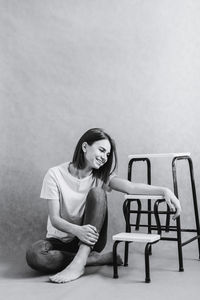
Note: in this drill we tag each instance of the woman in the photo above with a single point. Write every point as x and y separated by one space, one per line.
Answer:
77 221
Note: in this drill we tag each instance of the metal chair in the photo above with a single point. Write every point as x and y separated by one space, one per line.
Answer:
130 237
175 157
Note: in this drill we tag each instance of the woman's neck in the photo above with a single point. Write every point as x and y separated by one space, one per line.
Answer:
79 173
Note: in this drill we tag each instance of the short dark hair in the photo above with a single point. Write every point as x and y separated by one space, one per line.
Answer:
90 136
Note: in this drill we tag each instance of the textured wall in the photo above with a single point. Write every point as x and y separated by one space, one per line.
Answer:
131 67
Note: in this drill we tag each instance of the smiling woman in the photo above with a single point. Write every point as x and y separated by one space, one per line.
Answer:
97 153
103 149
77 205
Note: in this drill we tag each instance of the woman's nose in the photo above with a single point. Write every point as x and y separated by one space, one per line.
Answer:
104 157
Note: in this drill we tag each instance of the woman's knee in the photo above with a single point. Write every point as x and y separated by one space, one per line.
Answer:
98 194
36 255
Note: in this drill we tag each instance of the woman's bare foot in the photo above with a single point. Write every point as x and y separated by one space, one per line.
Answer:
97 259
72 272
75 269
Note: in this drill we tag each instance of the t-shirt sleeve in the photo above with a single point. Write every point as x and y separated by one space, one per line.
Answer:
107 186
49 187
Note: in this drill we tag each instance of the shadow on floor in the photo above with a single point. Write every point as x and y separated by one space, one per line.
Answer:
16 268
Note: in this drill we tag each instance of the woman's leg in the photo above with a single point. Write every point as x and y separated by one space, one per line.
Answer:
95 213
51 255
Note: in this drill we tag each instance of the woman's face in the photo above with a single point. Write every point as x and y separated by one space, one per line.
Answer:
96 155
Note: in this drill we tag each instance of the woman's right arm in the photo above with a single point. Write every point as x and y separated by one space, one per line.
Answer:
86 233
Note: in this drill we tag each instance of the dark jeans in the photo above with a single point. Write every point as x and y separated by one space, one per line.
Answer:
52 255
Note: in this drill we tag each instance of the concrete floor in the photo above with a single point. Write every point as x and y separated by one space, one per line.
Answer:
17 281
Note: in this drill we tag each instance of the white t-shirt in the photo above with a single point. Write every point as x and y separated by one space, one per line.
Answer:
60 185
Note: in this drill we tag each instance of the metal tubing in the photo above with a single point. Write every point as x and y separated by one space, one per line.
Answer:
167 219
115 267
138 214
178 222
126 210
156 204
171 228
148 162
194 200
126 251
168 239
151 212
149 200
147 267
190 240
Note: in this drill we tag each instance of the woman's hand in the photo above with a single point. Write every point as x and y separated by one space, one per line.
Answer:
173 202
87 234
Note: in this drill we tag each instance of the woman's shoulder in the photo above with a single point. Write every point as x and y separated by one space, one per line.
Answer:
105 185
57 169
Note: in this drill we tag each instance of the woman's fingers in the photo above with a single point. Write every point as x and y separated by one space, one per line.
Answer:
174 203
90 239
168 200
89 234
93 228
178 212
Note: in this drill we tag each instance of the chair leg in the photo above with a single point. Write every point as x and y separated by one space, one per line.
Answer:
194 201
180 250
138 214
126 250
147 267
167 219
178 222
115 266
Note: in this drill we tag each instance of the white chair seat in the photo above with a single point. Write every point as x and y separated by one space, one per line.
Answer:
136 237
143 197
157 155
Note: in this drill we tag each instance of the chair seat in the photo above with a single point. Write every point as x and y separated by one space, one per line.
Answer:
136 237
157 155
143 197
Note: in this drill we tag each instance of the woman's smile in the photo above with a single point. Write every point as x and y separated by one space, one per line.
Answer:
100 161
96 155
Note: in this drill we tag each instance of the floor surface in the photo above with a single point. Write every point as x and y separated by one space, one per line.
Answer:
18 281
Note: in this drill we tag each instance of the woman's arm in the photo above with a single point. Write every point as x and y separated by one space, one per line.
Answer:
125 186
86 233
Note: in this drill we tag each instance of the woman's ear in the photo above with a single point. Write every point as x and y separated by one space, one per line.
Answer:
84 146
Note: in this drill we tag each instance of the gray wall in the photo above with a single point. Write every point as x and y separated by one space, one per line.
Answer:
131 67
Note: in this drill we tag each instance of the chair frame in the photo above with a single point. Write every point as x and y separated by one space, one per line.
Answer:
160 228
177 228
147 251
